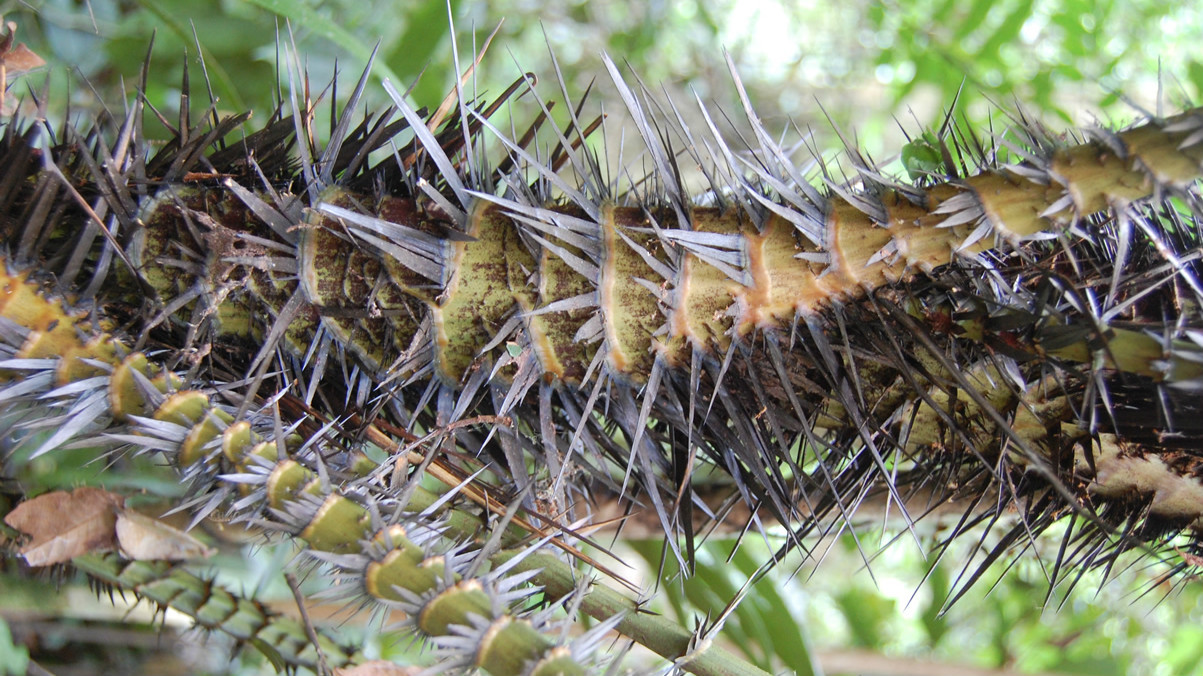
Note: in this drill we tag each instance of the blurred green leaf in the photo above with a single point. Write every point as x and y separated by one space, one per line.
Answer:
1006 32
973 19
1185 649
1194 71
784 636
302 15
935 623
866 612
418 47
14 659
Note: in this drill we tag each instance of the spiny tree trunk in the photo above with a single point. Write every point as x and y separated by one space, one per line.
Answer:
260 311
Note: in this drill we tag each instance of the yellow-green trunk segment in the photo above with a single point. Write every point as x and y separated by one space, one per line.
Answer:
373 305
494 273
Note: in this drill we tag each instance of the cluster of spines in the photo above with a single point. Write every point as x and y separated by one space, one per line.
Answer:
394 290
734 276
443 593
623 291
191 430
54 347
390 283
465 609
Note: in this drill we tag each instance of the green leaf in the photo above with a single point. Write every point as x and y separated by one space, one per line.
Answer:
922 157
708 591
973 20
425 33
650 551
1185 649
14 659
866 613
1194 71
934 623
300 14
790 640
273 656
1007 31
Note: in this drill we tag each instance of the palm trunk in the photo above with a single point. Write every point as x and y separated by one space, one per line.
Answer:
982 333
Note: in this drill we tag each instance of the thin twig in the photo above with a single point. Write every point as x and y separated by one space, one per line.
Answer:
323 669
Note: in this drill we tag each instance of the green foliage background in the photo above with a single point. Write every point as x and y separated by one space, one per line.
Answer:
864 62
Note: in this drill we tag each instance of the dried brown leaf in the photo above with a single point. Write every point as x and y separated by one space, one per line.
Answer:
144 538
14 61
20 60
64 525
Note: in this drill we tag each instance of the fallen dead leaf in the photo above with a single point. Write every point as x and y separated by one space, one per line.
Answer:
145 538
65 525
15 60
20 60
